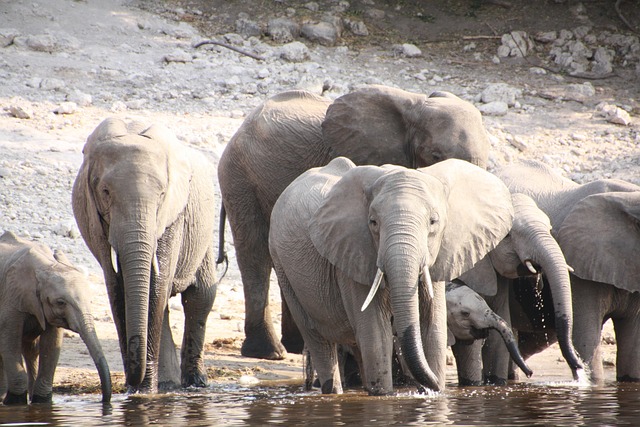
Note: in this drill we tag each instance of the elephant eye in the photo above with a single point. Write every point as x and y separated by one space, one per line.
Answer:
465 314
60 303
373 223
434 218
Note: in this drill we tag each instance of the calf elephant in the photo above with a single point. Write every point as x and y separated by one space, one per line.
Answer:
144 205
295 131
340 232
596 226
529 249
40 293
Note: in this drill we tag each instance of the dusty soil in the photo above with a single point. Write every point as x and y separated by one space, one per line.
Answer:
118 56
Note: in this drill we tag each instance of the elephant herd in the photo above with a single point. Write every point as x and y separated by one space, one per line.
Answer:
388 237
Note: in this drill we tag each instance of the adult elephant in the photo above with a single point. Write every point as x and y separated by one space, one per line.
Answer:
596 225
143 203
340 232
41 293
528 250
297 130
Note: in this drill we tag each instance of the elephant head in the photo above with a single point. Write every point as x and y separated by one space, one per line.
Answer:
530 249
379 124
132 186
469 318
50 288
410 226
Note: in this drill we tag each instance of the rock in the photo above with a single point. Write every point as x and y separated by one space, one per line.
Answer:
295 52
283 30
545 36
80 98
247 27
494 108
51 84
66 108
407 49
7 35
613 114
20 111
501 92
178 55
324 33
579 92
518 42
357 28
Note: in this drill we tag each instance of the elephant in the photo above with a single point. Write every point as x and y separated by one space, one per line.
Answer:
529 249
469 319
41 293
144 205
596 226
297 130
340 232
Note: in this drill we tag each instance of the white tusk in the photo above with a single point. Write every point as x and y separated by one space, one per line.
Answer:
530 267
154 265
374 289
114 260
571 270
426 278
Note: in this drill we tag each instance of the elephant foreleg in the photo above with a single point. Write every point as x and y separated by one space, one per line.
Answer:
469 362
15 375
168 365
197 301
628 356
50 345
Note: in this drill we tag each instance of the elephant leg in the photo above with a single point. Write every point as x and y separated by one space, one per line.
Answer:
628 357
324 356
291 336
197 301
30 348
495 355
469 362
168 365
589 309
251 240
50 345
15 375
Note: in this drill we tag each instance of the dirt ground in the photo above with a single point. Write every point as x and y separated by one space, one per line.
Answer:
120 62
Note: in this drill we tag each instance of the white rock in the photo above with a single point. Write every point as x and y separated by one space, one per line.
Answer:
494 108
501 92
66 108
248 380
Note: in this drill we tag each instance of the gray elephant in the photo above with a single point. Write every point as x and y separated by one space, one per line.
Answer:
340 232
596 225
144 205
469 320
295 131
528 250
40 293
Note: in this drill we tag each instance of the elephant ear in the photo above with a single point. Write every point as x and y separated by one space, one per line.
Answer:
368 125
23 283
179 172
600 239
482 277
480 214
339 229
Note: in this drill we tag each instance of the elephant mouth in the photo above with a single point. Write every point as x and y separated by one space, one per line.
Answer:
479 334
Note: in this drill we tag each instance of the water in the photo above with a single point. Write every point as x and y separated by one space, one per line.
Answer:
530 404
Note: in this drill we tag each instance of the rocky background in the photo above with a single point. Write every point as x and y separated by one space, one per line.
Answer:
557 81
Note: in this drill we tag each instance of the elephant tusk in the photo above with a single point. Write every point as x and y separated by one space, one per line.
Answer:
530 267
426 278
374 288
154 265
114 260
571 270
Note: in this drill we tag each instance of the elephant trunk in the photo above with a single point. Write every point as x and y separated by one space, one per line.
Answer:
497 323
88 334
556 270
135 256
403 278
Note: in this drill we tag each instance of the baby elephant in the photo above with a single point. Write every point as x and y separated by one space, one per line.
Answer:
40 293
469 318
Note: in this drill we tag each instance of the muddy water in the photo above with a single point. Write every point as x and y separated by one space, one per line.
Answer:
523 404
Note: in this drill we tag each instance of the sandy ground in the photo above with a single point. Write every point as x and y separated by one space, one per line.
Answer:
116 55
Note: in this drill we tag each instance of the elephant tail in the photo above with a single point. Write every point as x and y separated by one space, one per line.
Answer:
222 254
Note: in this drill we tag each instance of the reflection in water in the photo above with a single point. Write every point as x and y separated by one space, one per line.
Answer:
530 404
